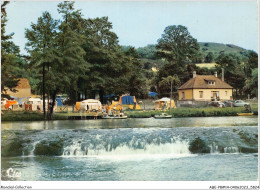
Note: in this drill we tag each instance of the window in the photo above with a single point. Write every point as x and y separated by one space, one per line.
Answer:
201 94
182 95
211 83
226 93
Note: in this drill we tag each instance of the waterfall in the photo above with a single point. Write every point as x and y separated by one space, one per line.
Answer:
123 149
31 153
231 150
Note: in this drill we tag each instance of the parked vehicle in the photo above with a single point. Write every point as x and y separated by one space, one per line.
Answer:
240 103
228 103
217 104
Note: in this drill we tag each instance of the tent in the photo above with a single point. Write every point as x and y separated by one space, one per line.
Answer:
129 102
152 94
164 103
90 104
59 101
36 101
9 103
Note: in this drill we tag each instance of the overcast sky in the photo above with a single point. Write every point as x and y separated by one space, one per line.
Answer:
141 23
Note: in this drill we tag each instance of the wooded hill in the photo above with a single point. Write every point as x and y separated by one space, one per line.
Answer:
208 53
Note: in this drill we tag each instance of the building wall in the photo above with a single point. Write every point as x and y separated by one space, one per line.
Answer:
188 94
194 94
224 94
25 92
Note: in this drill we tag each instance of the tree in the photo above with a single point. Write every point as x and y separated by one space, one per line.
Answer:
252 59
251 84
179 48
250 69
177 45
170 84
109 66
209 58
233 72
70 42
10 57
42 47
137 83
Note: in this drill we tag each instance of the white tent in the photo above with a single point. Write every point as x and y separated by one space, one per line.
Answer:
37 101
90 104
163 100
159 104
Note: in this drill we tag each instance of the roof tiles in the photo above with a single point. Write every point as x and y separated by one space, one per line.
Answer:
201 82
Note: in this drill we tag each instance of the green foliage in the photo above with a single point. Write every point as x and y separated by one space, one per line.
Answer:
217 49
209 58
192 112
70 40
166 82
10 57
147 52
42 46
177 45
233 72
27 116
251 85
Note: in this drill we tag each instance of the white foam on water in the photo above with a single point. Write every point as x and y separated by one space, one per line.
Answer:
31 153
167 150
231 150
214 148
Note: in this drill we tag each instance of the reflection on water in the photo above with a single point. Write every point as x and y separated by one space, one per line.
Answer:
134 123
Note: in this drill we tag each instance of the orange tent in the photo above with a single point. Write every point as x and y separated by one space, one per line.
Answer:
9 103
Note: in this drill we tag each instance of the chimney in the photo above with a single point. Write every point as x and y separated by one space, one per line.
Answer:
215 74
194 74
222 76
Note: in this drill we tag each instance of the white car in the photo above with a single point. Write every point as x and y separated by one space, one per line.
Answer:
240 103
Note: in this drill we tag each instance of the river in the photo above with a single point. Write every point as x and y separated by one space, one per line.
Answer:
177 149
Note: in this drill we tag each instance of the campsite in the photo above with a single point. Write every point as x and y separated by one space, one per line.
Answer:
129 94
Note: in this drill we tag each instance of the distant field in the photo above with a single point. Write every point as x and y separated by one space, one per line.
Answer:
206 65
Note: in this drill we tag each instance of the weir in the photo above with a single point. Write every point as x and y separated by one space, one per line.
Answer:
135 147
129 141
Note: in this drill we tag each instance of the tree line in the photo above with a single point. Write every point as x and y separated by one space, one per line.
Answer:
82 56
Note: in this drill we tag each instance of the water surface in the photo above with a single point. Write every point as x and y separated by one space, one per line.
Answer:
132 149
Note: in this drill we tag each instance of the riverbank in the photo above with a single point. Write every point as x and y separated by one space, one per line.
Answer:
27 116
192 112
178 112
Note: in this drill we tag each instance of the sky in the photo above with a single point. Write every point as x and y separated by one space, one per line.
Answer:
139 23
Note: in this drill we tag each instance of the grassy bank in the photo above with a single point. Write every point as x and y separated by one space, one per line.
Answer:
178 112
192 112
27 116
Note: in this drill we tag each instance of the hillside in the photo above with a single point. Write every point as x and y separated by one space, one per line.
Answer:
216 49
209 53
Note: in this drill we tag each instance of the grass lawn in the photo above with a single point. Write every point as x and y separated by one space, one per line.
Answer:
178 112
